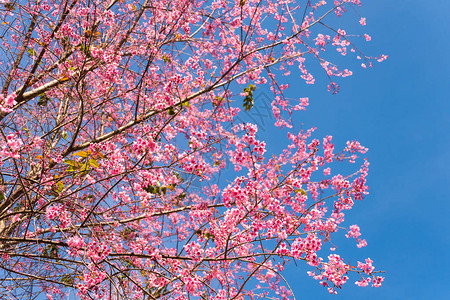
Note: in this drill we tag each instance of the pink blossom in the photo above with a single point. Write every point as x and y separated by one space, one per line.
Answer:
124 170
366 267
376 282
354 232
361 244
363 282
10 100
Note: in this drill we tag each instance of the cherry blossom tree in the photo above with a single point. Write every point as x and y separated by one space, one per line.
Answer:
116 115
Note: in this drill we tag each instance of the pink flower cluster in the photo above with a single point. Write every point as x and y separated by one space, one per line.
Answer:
58 212
332 274
366 267
194 250
141 146
126 178
6 104
355 233
328 148
12 147
75 244
91 281
306 245
97 250
355 146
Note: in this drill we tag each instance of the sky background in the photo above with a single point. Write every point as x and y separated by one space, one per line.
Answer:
399 110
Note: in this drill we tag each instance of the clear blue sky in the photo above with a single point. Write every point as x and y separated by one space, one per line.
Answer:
399 110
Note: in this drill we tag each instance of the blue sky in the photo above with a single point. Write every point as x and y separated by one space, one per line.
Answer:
399 110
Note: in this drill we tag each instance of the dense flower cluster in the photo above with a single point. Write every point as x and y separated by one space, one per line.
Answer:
126 171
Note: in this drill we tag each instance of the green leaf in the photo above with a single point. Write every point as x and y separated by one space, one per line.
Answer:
9 6
67 279
72 169
248 103
43 99
32 52
51 251
171 111
74 166
85 50
302 191
94 163
209 236
178 176
82 153
150 189
248 100
85 167
218 101
71 162
59 187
